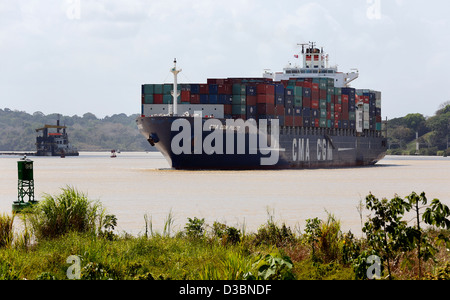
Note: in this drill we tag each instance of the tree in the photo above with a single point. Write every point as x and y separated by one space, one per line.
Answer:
388 234
415 122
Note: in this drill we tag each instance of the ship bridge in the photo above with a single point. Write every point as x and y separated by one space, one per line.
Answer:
315 65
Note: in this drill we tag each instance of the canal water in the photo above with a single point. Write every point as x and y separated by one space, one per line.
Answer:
134 185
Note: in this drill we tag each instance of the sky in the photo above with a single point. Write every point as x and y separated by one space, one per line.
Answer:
78 56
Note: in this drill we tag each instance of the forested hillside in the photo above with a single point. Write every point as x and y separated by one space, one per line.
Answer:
434 133
87 133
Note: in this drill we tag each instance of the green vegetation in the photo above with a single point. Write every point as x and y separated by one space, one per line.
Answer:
391 249
87 133
433 133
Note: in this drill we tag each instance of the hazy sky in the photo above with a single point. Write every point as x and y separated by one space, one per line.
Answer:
78 56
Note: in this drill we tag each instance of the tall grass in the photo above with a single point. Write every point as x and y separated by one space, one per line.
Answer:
6 230
69 211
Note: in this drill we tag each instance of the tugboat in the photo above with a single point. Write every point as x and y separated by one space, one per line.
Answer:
54 143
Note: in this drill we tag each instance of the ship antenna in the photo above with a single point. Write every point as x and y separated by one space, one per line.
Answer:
175 92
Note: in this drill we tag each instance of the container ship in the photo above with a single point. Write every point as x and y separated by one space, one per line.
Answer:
301 118
54 143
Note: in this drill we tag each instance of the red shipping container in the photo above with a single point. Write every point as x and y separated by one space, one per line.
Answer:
298 121
365 99
314 104
315 87
224 89
337 116
322 94
336 124
315 95
307 102
316 123
185 96
345 115
344 98
252 100
289 121
279 110
157 99
227 109
265 109
338 108
268 89
265 98
329 115
304 84
195 99
204 89
215 81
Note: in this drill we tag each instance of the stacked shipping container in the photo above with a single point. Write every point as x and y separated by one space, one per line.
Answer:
304 102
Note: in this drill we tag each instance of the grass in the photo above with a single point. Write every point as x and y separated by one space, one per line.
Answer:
199 252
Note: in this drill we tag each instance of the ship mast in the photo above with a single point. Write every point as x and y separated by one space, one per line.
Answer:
175 92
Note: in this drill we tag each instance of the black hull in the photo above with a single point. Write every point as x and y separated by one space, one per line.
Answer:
299 148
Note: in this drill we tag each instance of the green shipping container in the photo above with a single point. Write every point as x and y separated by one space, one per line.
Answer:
330 90
158 89
323 104
298 91
352 115
338 91
168 99
238 109
239 99
239 89
323 113
148 99
323 83
298 101
323 122
378 126
167 88
148 89
330 82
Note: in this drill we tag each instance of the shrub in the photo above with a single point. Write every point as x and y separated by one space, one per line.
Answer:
195 227
6 230
271 234
69 211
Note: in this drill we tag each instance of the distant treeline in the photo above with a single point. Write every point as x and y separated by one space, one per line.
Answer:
434 133
87 133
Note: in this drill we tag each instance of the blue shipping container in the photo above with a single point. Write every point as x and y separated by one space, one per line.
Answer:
204 99
213 88
279 89
195 89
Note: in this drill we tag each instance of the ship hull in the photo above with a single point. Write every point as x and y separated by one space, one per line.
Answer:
296 147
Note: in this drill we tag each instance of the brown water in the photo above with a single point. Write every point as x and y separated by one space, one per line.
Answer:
135 184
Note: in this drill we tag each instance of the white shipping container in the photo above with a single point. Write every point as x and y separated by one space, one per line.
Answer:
366 124
216 110
366 107
378 103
